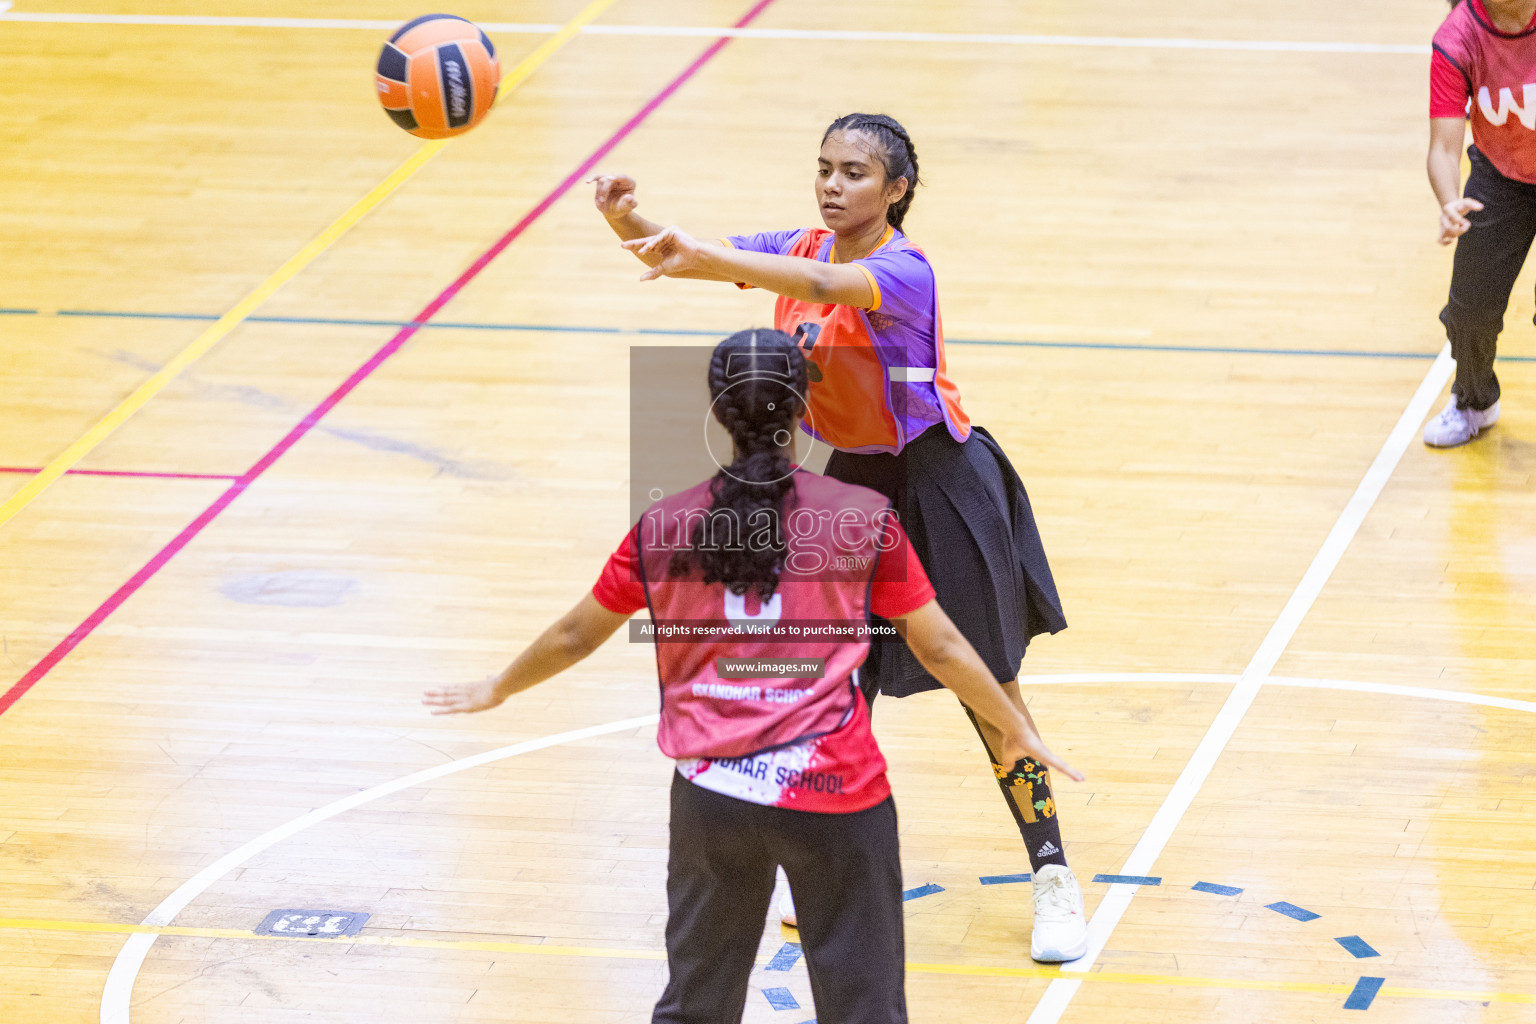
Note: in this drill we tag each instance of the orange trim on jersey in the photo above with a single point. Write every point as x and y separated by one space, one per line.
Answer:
873 287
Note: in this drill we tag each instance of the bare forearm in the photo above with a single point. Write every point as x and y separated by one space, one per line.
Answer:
556 649
792 276
1444 166
632 225
1447 138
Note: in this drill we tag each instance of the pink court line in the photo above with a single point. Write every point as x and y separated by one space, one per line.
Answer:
144 474
362 373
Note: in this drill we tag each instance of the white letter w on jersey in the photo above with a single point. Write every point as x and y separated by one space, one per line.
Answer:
1526 113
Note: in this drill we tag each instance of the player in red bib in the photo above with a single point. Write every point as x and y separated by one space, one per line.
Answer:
771 771
862 300
1483 68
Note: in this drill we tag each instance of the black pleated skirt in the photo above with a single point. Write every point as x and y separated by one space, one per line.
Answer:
968 516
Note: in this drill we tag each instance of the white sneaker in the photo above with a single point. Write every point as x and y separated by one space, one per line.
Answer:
1061 927
787 909
1456 426
786 901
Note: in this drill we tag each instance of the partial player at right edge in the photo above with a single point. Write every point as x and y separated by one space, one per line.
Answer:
1484 54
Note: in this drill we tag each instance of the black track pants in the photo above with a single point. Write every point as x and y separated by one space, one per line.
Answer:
1488 259
845 873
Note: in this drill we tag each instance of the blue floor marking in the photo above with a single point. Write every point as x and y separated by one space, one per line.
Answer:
1358 947
787 956
1364 993
694 332
1292 910
780 999
1219 890
1004 879
921 891
1128 879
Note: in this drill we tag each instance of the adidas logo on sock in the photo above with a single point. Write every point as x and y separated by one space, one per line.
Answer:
1048 850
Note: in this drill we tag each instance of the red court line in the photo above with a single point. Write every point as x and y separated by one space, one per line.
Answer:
128 472
209 514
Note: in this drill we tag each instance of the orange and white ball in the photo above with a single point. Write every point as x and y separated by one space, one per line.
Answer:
437 76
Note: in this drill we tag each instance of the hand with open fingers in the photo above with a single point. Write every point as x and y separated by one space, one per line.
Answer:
615 195
463 698
1026 742
1453 218
679 252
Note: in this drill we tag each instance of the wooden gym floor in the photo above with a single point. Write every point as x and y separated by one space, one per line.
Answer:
1192 288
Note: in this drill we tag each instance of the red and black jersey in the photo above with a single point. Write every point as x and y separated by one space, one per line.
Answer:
1489 76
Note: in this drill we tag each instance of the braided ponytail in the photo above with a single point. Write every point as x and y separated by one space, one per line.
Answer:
757 382
897 153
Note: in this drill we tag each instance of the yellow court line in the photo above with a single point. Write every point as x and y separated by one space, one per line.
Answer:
968 970
99 432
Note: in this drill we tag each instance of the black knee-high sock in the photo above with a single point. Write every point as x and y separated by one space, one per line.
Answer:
1027 788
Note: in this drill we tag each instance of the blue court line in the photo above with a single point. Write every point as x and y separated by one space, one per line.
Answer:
1004 879
1358 947
788 955
1127 880
337 321
921 891
1292 910
1364 993
781 999
690 332
1219 890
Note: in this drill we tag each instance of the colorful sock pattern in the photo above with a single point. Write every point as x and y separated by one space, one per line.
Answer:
1027 788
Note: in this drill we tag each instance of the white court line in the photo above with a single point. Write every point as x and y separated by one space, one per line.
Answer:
1392 689
1508 703
702 32
117 996
119 988
1058 995
1126 677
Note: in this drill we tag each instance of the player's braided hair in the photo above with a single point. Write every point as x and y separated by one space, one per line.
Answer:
896 152
757 382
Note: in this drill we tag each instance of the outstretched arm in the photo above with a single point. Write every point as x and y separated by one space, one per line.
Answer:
615 200
672 253
943 651
580 632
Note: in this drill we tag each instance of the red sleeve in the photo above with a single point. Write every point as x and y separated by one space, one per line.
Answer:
1448 88
900 584
619 588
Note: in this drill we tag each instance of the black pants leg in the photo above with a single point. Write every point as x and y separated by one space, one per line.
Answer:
845 873
720 878
1488 259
